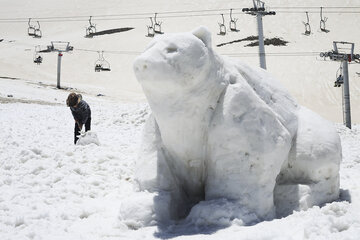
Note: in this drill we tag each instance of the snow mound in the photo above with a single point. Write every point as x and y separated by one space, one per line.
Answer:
88 138
220 212
137 211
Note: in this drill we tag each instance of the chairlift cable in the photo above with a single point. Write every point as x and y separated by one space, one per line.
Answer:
315 7
328 12
254 54
127 16
111 19
164 17
227 54
109 51
117 15
175 12
124 14
271 54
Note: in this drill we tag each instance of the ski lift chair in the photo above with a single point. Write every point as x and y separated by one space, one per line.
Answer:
98 63
150 29
232 24
307 29
101 64
38 60
339 78
157 26
89 32
307 25
339 81
222 26
38 33
106 66
98 67
322 25
357 58
37 57
91 29
322 22
31 29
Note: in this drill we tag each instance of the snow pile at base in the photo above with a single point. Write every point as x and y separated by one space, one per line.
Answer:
88 138
137 210
220 212
223 135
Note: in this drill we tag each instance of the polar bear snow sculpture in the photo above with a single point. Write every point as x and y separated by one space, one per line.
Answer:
225 140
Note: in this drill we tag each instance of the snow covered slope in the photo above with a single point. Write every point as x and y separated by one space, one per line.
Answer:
308 79
51 189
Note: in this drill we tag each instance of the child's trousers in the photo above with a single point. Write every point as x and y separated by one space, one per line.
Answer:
77 129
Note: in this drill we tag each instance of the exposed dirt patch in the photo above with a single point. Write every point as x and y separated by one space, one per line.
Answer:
269 41
12 78
5 100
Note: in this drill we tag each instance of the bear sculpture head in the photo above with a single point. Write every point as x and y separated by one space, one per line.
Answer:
176 62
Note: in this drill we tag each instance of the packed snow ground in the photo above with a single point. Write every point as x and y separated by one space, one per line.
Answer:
51 189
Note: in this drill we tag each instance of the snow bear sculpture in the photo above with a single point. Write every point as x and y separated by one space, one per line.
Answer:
225 140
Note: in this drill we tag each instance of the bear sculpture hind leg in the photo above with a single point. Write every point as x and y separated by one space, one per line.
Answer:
247 147
311 174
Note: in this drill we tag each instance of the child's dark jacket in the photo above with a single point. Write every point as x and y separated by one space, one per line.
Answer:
82 112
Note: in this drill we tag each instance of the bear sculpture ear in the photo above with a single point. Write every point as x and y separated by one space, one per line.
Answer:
204 35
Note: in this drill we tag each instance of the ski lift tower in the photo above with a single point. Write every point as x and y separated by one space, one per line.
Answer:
59 47
339 54
259 11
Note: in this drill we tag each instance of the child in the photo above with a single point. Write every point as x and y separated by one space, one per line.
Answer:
81 113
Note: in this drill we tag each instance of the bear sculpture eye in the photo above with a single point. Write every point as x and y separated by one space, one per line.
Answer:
171 49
